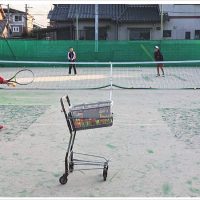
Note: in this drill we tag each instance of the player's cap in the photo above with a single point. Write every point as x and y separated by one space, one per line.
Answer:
156 47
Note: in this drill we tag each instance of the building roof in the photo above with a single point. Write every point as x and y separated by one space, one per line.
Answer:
115 12
141 14
11 10
17 12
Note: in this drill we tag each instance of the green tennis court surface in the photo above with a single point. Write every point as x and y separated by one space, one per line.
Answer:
153 145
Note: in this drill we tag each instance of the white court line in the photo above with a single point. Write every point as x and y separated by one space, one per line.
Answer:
77 77
67 78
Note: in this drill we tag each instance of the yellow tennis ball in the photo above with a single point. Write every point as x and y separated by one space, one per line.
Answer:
13 84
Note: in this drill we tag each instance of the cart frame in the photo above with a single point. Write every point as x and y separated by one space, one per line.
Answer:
99 162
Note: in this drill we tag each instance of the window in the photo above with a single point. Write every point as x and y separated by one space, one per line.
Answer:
15 29
139 34
18 18
167 33
187 35
197 34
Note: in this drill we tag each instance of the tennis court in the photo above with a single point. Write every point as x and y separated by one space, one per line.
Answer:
153 145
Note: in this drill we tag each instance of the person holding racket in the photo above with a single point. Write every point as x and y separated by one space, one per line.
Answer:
22 77
158 57
71 55
2 81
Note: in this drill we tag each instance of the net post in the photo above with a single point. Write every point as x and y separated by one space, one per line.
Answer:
111 77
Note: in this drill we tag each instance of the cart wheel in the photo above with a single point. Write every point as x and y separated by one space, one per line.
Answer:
63 179
105 172
71 166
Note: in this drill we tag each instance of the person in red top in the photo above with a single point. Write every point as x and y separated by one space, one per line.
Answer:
2 81
159 57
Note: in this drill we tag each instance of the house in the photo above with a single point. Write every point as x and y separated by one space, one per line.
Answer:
21 23
3 24
116 21
183 21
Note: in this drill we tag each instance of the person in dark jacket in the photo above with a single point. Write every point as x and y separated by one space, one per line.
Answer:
71 55
158 57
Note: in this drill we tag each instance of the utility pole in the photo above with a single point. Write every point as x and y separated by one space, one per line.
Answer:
77 35
96 27
8 19
161 21
26 18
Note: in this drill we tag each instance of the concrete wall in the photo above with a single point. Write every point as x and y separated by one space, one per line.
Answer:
182 18
111 28
180 26
124 30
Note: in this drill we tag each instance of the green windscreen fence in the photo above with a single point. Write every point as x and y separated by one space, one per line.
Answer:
115 51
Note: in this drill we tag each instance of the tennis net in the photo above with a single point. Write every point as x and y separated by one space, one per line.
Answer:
96 75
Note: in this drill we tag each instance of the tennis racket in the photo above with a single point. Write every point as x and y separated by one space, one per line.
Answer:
22 77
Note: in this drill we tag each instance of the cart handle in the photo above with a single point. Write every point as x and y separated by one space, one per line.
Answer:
67 98
68 101
62 103
67 116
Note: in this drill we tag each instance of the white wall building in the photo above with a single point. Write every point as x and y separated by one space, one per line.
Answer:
183 22
20 22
